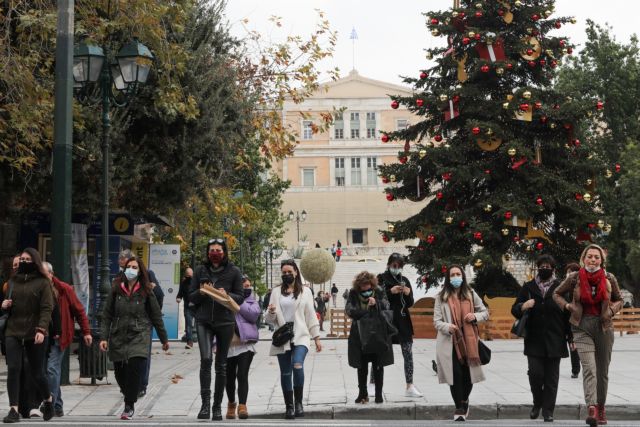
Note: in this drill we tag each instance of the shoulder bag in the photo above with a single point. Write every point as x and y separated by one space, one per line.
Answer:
282 335
519 327
4 319
484 352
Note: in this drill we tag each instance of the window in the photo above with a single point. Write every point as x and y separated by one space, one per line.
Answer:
372 171
307 131
358 236
308 177
402 124
338 126
339 134
355 117
371 117
339 171
371 132
356 178
355 133
355 125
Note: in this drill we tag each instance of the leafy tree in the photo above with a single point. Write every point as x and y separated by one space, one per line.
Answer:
494 143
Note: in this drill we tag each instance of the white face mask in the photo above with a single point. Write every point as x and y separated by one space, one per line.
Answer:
131 273
591 269
395 271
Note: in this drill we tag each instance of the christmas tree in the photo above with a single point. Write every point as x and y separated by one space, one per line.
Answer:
498 156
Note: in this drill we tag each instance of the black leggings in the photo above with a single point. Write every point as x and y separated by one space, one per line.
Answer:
35 354
238 367
129 377
223 335
461 388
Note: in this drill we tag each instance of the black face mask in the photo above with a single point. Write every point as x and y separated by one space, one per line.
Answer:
247 293
27 267
287 279
545 273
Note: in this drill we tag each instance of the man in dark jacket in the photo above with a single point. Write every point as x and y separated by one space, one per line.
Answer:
183 295
548 331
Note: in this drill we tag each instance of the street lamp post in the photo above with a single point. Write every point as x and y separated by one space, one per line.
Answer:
298 217
117 82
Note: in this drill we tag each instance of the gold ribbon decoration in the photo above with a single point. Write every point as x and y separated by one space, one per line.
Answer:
508 16
535 45
491 144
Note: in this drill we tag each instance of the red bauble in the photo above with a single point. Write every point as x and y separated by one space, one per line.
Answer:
456 98
395 104
537 105
477 36
524 107
390 197
508 215
419 102
529 51
543 119
539 246
553 64
568 126
431 239
385 180
462 224
446 176
535 17
385 238
578 196
487 171
516 239
438 138
618 167
500 12
591 225
424 278
439 195
485 68
599 105
461 14
466 40
562 43
478 14
539 201
532 64
476 130
434 21
477 235
423 75
556 107
509 66
558 24
576 142
543 62
384 137
569 50
403 159
444 269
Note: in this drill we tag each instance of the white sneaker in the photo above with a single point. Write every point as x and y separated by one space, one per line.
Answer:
412 391
35 412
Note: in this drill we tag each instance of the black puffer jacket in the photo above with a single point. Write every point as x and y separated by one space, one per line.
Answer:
227 277
400 304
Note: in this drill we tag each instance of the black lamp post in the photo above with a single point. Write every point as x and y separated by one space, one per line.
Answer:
298 217
101 78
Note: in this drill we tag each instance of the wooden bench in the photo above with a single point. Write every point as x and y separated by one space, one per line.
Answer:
627 320
340 324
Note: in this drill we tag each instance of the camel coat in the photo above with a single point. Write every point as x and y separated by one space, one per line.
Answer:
444 344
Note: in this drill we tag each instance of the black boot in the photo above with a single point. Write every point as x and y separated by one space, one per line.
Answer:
379 377
216 412
204 413
288 403
218 394
298 393
363 395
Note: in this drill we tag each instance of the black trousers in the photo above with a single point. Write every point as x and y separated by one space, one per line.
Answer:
462 386
129 375
377 372
223 335
544 373
35 354
575 362
238 367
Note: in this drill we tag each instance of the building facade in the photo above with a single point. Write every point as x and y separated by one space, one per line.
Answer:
334 176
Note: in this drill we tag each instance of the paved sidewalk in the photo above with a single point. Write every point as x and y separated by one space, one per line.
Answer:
331 386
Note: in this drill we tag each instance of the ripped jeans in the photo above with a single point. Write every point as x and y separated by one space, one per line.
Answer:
292 365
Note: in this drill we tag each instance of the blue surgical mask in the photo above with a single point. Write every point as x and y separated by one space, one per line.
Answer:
366 294
131 273
395 271
456 282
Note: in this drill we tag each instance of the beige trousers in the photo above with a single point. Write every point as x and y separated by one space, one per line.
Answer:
594 347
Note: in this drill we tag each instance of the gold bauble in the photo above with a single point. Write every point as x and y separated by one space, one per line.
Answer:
478 263
391 227
458 87
471 34
489 132
392 178
447 146
547 13
422 153
499 71
608 173
429 56
589 181
526 94
607 228
552 125
549 52
448 220
488 208
505 105
478 5
429 144
528 248
443 97
573 20
587 197
435 32
505 231
512 151
601 223
565 51
517 3
454 14
529 30
509 97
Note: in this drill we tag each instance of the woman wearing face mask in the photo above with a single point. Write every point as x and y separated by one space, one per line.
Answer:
596 299
214 320
456 311
30 301
292 302
400 296
241 353
547 335
129 313
364 297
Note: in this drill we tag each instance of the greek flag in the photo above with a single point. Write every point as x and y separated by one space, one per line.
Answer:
354 35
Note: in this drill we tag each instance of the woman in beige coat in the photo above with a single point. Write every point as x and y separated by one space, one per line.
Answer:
456 312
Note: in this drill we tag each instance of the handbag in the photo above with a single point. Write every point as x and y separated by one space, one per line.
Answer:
484 352
4 319
282 335
373 330
519 327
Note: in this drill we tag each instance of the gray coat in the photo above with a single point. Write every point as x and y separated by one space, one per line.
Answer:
444 344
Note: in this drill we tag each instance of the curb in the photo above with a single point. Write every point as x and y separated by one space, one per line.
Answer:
444 412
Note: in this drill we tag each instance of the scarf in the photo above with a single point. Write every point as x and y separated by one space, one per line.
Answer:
465 340
125 288
364 302
545 285
597 280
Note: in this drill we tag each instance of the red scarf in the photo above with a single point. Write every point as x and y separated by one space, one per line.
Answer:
589 280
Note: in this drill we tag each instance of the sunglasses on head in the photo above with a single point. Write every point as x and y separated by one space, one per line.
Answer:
220 241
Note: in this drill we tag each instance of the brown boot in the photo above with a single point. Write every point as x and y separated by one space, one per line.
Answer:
602 415
242 412
592 416
231 411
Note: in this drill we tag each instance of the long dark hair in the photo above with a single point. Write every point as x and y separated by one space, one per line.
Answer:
143 276
297 283
448 289
37 260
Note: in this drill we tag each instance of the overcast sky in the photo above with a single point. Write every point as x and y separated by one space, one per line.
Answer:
392 35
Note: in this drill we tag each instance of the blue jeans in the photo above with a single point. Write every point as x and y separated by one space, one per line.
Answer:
292 362
54 368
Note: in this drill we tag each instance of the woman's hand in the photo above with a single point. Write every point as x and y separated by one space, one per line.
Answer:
165 346
453 329
372 301
396 289
318 344
6 304
406 290
222 291
470 318
572 346
569 307
39 338
528 304
88 340
103 345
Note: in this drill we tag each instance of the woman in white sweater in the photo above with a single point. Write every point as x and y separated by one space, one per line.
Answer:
292 302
